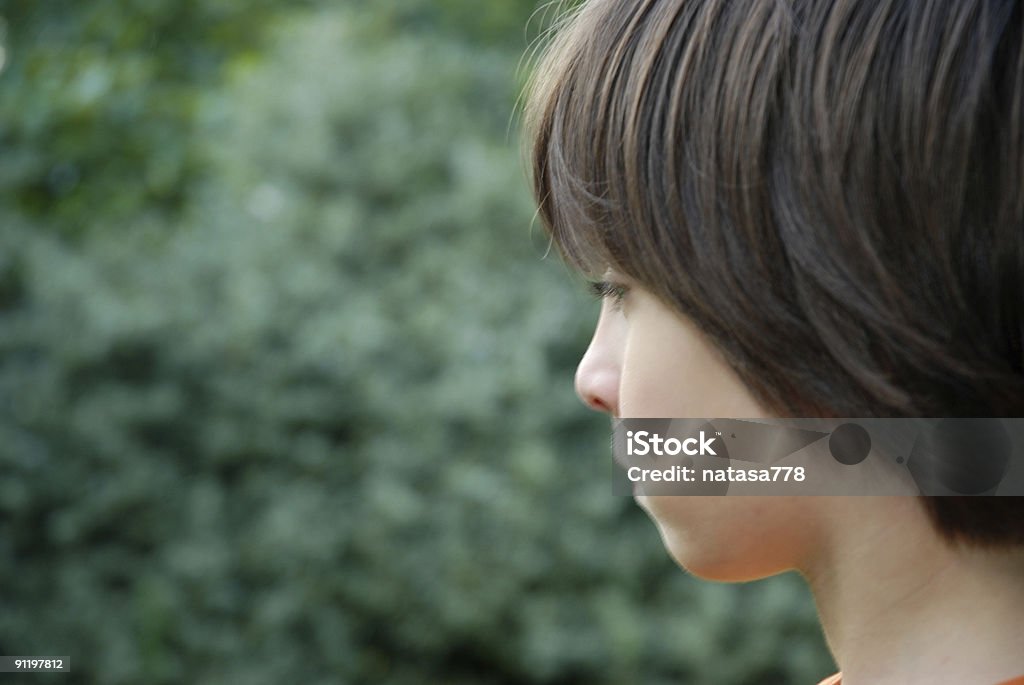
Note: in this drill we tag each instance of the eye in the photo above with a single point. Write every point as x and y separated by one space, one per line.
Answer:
607 290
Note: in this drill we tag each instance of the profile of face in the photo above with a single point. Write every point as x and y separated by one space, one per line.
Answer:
646 360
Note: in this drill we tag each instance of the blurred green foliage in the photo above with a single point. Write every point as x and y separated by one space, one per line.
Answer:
285 386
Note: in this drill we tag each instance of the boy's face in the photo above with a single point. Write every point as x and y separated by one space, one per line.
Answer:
647 361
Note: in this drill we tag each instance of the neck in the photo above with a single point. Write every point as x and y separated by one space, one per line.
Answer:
901 605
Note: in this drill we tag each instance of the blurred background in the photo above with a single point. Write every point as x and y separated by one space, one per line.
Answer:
286 380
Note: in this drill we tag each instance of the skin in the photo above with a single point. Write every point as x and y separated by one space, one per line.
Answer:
897 602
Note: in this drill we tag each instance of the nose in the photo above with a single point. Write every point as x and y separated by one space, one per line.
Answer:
598 373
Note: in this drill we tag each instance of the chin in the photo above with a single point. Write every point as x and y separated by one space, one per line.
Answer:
725 539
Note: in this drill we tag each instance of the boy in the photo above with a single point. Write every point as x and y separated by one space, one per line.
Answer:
805 208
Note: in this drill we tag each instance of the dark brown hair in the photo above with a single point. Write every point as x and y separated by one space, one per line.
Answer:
832 190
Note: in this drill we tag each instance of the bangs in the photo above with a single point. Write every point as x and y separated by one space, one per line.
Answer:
577 114
648 122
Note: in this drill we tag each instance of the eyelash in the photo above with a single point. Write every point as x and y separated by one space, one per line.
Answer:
607 290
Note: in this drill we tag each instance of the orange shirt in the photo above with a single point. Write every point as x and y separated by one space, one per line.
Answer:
837 679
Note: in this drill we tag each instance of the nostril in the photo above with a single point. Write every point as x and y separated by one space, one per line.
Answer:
595 389
597 404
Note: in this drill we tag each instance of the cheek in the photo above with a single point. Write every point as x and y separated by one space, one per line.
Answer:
650 390
662 375
672 372
737 538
